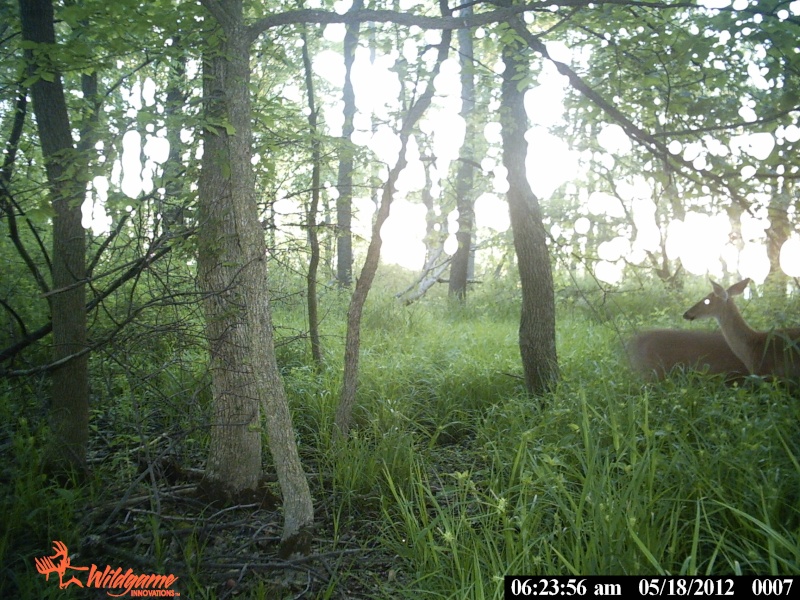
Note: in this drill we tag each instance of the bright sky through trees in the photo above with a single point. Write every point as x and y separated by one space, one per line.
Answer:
701 241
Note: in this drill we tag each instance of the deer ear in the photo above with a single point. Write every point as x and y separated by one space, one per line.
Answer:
738 288
719 291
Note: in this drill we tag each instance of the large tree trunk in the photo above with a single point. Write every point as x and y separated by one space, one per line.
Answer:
226 266
537 332
70 380
232 271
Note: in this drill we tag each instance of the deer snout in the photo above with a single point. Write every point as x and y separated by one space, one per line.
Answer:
687 316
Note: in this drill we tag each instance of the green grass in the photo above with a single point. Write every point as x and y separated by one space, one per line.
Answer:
453 477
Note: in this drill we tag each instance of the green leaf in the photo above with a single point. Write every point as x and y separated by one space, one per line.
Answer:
40 215
30 81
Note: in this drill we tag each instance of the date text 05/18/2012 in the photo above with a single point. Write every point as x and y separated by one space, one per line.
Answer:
518 587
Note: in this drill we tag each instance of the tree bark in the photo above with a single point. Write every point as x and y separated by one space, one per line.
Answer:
313 209
70 381
344 185
352 346
232 272
459 269
537 337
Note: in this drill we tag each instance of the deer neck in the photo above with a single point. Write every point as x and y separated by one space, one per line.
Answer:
742 339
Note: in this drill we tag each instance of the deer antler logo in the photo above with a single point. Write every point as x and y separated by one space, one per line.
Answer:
58 563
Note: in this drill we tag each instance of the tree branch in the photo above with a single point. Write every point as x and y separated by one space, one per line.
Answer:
154 253
636 133
217 10
322 17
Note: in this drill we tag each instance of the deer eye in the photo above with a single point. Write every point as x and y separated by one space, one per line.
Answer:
706 301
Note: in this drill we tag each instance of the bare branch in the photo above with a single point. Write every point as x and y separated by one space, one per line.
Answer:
322 17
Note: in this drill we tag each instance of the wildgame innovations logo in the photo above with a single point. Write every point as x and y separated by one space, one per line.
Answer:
135 585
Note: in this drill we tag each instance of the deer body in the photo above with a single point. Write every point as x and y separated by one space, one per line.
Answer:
654 354
765 353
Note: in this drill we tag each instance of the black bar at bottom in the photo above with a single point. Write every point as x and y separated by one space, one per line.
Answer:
519 587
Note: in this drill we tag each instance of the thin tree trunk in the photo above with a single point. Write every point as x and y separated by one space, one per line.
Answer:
460 267
313 209
172 205
537 339
344 185
363 284
70 381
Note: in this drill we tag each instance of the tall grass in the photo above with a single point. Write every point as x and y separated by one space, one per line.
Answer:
456 477
604 477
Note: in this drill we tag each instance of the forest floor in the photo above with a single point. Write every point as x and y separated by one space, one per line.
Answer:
452 476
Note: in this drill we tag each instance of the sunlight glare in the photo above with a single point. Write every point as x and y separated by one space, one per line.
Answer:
412 178
342 6
385 144
613 250
613 139
550 162
714 3
582 225
559 51
363 210
330 66
449 132
500 179
157 149
492 212
149 92
402 235
93 211
493 132
450 246
335 32
757 145
791 133
753 227
648 235
697 242
609 272
545 105
789 257
131 164
602 203
754 262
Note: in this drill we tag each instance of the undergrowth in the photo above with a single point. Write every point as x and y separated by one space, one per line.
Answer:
453 477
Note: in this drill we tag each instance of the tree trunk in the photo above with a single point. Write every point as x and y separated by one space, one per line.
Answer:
780 227
70 380
363 284
460 267
537 333
313 209
232 272
344 203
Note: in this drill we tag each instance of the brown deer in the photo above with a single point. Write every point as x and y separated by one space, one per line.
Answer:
774 353
656 353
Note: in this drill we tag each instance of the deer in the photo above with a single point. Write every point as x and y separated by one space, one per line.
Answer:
656 353
773 354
